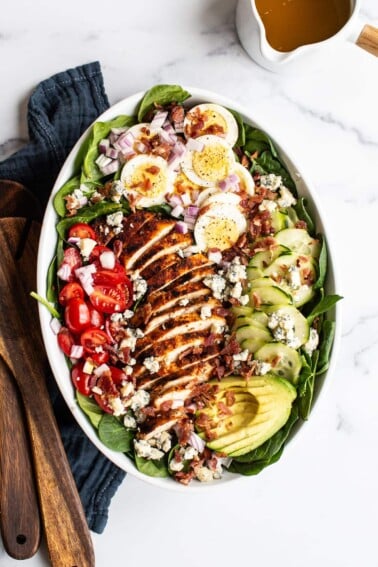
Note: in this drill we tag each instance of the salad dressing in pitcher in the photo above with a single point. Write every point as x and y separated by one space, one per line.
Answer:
292 23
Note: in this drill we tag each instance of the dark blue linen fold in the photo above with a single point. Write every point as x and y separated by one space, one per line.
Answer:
59 110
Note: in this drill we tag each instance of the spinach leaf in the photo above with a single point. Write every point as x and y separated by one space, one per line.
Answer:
249 469
52 292
241 137
46 303
100 130
59 201
114 434
88 214
257 141
164 209
90 408
303 214
271 447
307 384
162 95
322 265
326 340
266 163
324 305
152 468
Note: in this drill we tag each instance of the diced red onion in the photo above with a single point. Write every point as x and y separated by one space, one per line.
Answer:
167 126
186 199
110 168
112 153
77 351
177 211
73 240
159 119
190 221
192 211
174 200
113 138
55 325
102 161
124 141
181 227
83 201
104 145
179 127
100 370
119 130
196 442
64 272
107 260
229 182
180 148
225 461
194 145
84 275
215 257
128 153
166 137
140 147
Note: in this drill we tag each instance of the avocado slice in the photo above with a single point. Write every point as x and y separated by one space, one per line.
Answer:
259 407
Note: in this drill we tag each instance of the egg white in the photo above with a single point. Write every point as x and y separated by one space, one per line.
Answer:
135 173
246 182
211 164
219 226
221 198
213 116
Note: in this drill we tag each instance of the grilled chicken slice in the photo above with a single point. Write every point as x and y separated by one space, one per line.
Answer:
168 351
181 389
172 314
179 295
184 325
161 264
170 244
183 267
134 222
144 239
159 423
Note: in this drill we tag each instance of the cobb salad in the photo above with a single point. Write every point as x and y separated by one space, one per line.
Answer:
187 290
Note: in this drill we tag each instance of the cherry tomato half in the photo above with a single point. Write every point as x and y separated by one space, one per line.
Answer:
109 383
92 339
70 290
97 251
65 340
111 299
105 276
97 318
81 230
100 357
76 315
82 381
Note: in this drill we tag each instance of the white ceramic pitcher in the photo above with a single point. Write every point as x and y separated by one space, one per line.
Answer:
252 35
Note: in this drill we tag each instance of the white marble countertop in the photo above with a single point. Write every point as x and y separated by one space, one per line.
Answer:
319 504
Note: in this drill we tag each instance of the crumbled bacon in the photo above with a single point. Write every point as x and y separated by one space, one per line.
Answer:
301 224
232 347
178 114
223 409
230 398
183 430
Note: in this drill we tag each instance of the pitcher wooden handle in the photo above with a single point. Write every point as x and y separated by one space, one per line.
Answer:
368 39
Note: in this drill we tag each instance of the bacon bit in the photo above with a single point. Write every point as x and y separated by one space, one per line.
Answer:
117 247
301 224
232 347
267 243
183 430
230 398
275 361
223 409
149 411
212 463
219 369
154 169
125 354
166 406
178 114
245 161
184 477
106 384
210 339
221 311
256 300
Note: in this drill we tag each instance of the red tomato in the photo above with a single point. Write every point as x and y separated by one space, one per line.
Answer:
82 381
97 318
81 230
91 339
72 259
104 276
76 315
108 383
70 290
65 340
100 357
110 299
97 251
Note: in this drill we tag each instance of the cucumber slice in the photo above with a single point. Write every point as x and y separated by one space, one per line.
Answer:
299 241
285 361
255 319
300 324
280 220
280 271
256 335
242 310
262 282
264 258
266 296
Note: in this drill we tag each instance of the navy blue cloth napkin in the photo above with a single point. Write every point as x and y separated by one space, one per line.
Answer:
59 110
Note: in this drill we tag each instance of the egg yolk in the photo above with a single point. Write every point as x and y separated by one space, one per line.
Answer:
148 180
221 233
183 185
211 163
206 122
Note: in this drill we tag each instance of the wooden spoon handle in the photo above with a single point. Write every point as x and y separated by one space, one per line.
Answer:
67 535
368 39
19 518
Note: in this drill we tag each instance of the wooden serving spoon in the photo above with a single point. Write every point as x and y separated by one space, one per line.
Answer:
67 535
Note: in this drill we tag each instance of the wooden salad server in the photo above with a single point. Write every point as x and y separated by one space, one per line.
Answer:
67 535
19 513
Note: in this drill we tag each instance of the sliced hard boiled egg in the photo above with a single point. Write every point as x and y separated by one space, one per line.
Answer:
182 185
246 183
221 198
210 161
146 180
213 119
219 226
